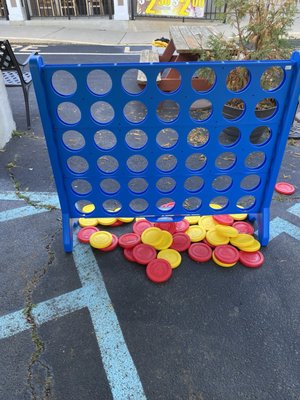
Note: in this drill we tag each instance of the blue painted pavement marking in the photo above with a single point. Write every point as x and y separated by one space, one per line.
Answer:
295 209
279 225
20 212
121 372
118 364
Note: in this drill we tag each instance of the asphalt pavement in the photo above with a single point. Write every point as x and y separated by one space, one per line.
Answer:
92 326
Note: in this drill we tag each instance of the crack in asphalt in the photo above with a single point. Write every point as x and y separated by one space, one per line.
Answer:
35 359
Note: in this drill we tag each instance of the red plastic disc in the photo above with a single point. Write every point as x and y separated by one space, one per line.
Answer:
182 226
209 244
251 260
223 219
129 240
200 252
143 253
159 270
166 226
85 233
128 254
181 241
243 227
139 226
113 245
117 223
285 188
227 254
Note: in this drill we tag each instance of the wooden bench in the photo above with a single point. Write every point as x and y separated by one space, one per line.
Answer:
145 57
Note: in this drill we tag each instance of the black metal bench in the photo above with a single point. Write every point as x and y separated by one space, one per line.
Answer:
14 74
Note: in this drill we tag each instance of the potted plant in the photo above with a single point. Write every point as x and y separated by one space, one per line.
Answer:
261 32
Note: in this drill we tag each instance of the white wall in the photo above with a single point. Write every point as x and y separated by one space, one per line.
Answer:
7 123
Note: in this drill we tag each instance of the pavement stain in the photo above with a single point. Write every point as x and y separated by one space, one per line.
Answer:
36 367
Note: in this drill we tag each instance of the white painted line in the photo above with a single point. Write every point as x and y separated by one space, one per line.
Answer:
20 212
42 53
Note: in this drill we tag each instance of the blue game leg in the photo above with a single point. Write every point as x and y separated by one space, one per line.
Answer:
67 228
263 221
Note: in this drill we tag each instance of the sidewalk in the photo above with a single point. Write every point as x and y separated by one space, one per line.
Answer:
103 31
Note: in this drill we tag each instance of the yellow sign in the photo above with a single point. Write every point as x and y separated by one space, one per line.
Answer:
180 8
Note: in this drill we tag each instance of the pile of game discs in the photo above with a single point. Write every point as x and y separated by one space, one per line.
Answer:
226 239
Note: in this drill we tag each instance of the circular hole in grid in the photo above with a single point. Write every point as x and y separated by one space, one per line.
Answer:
196 161
200 110
167 138
272 78
139 205
193 183
107 164
266 108
238 79
198 137
222 182
260 135
233 109
166 184
225 160
135 111
77 164
136 139
246 202
110 186
105 139
165 204
137 163
73 140
69 113
250 182
138 185
229 136
130 81
218 203
174 82
192 203
167 110
64 83
84 206
166 162
81 186
99 82
102 112
255 159
112 205
203 79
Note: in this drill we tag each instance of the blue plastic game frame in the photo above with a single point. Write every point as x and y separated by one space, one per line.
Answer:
164 170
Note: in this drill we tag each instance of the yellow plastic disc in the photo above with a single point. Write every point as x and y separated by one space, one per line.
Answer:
196 233
88 222
101 239
140 219
171 255
239 217
220 263
193 219
228 231
126 220
215 206
88 208
214 238
152 236
255 246
106 221
242 240
166 241
207 222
